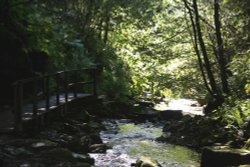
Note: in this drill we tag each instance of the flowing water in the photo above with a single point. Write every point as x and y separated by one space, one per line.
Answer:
130 141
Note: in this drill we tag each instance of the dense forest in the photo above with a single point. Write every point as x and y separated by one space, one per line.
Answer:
150 50
163 48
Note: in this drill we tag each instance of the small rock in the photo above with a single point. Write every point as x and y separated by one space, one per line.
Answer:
44 144
146 162
98 148
247 144
83 158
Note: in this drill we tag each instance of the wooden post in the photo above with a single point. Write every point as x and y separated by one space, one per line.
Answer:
18 103
57 89
66 91
94 83
47 96
66 85
34 100
75 83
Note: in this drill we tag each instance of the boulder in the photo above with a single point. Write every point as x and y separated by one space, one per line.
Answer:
95 138
79 144
223 156
146 162
171 114
147 114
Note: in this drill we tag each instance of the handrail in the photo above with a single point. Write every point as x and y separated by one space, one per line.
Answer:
52 74
45 81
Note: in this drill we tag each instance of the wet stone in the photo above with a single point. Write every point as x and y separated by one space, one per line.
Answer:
98 148
146 162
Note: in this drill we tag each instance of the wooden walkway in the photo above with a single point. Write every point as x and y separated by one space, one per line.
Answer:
34 97
41 106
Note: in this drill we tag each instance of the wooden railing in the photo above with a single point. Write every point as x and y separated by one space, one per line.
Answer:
33 90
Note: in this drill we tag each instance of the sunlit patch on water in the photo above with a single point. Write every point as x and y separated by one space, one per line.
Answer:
188 106
131 141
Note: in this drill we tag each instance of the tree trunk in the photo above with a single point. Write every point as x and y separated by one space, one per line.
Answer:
204 53
87 18
197 49
219 49
100 28
106 30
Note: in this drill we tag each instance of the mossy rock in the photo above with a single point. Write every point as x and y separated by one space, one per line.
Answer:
224 156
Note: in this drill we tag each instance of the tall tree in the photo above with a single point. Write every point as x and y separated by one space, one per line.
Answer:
204 52
196 48
207 73
219 48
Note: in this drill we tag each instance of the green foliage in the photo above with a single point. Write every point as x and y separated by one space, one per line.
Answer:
158 52
149 46
235 112
114 81
69 32
240 73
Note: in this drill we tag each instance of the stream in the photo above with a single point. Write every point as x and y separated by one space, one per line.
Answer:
130 141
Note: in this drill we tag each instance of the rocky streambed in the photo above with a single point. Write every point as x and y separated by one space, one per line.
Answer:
129 141
77 143
84 140
64 144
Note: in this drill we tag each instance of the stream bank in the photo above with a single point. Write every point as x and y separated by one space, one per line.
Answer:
65 143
